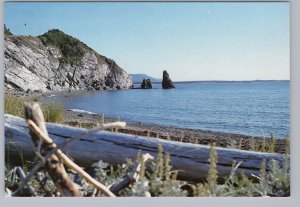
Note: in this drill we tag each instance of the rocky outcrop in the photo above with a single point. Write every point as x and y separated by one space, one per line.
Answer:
138 77
167 82
31 66
146 84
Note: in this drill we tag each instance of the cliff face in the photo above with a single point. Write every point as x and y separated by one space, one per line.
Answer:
31 65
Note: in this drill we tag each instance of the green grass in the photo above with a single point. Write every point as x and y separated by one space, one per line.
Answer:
53 112
13 105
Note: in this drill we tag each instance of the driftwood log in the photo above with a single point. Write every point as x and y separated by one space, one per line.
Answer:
191 160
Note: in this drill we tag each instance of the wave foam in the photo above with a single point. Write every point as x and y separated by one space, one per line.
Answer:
82 111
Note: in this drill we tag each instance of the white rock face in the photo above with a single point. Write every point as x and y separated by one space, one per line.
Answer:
30 66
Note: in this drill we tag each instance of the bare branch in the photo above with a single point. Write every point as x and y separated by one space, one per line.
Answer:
132 177
22 175
53 165
67 160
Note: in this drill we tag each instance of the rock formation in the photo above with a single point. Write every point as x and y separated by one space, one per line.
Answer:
167 82
138 77
146 84
31 65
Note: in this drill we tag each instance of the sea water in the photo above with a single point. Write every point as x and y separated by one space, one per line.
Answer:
254 108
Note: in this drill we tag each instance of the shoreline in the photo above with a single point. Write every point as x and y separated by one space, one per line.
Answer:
197 136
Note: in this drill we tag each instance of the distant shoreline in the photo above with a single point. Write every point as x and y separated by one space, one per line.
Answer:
219 81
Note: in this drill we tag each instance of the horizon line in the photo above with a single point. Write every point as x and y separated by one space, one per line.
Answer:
220 81
233 80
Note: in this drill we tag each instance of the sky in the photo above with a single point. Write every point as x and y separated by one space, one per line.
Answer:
192 41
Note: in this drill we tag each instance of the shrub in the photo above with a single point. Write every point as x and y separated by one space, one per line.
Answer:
72 49
157 179
6 30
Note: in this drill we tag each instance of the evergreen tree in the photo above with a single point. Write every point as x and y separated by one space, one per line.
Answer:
6 30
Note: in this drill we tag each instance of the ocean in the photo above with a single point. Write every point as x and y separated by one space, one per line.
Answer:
254 108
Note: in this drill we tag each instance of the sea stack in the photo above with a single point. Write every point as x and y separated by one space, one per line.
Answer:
167 82
146 84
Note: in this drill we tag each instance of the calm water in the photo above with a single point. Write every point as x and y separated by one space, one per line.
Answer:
250 108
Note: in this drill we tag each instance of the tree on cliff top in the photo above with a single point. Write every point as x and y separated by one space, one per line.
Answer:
71 48
7 31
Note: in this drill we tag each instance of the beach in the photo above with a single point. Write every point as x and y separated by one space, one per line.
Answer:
205 137
221 139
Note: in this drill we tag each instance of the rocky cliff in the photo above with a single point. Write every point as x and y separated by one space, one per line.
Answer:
56 61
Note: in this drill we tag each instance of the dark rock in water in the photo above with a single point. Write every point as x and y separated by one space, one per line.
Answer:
146 84
167 82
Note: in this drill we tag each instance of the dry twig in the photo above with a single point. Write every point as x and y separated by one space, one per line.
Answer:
133 176
67 160
53 165
22 175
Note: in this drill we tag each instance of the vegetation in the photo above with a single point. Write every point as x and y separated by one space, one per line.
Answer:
13 105
72 49
157 179
263 145
6 30
53 112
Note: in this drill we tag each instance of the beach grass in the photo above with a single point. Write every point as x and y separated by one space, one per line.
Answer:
14 105
53 111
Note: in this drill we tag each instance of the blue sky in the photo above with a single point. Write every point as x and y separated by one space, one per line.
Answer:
192 41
